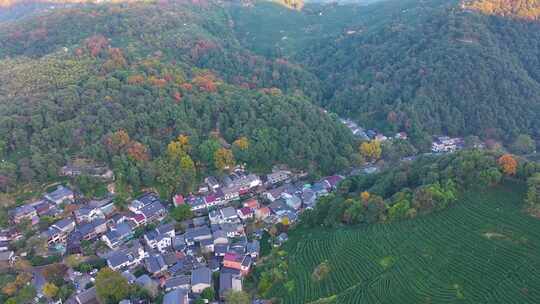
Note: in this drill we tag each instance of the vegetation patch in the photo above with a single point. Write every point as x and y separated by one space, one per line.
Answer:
433 258
321 271
387 262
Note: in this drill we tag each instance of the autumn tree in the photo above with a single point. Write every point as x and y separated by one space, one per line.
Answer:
223 159
177 172
50 290
364 196
371 150
55 273
117 141
111 286
179 147
240 149
137 151
508 164
241 143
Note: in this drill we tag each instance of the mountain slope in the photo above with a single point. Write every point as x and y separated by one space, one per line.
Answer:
438 68
71 77
426 67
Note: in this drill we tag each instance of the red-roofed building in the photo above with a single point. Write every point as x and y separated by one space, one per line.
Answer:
178 200
238 262
262 213
251 203
245 213
212 199
232 260
138 218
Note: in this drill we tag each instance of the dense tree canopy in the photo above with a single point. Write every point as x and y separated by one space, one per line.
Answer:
123 94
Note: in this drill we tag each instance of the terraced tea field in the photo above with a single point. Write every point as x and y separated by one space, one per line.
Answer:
484 250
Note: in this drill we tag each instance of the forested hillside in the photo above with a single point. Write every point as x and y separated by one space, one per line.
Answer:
426 67
526 9
74 75
78 81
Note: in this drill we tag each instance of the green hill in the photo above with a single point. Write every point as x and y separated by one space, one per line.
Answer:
433 66
483 250
71 77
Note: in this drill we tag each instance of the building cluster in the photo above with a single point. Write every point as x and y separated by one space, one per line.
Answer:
216 192
445 144
163 256
368 134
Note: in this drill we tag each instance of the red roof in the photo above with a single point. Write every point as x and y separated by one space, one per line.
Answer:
139 217
264 210
252 203
246 211
210 198
232 257
178 199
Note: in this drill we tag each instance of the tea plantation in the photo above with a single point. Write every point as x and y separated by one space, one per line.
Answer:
483 250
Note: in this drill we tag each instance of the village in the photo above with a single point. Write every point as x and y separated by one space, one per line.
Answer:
216 249
232 217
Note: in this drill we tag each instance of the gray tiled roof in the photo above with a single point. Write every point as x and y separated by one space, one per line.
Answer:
201 275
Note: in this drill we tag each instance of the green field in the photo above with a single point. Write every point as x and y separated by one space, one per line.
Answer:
484 250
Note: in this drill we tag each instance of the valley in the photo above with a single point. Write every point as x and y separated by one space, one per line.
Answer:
264 152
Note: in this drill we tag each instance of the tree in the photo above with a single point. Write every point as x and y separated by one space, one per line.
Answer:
371 150
55 273
209 294
508 164
223 159
365 196
111 286
533 190
236 297
179 147
524 144
181 213
50 290
117 141
241 143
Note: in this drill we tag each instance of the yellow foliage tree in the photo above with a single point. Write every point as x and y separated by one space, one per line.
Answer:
223 159
179 147
242 143
364 196
50 290
285 221
371 150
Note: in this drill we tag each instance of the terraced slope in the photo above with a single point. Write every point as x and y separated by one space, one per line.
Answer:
485 250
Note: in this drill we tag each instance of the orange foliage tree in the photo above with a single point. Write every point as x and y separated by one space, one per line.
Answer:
96 44
137 151
135 79
508 164
117 141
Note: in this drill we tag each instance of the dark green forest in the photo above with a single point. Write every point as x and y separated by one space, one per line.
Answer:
426 67
428 184
76 78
